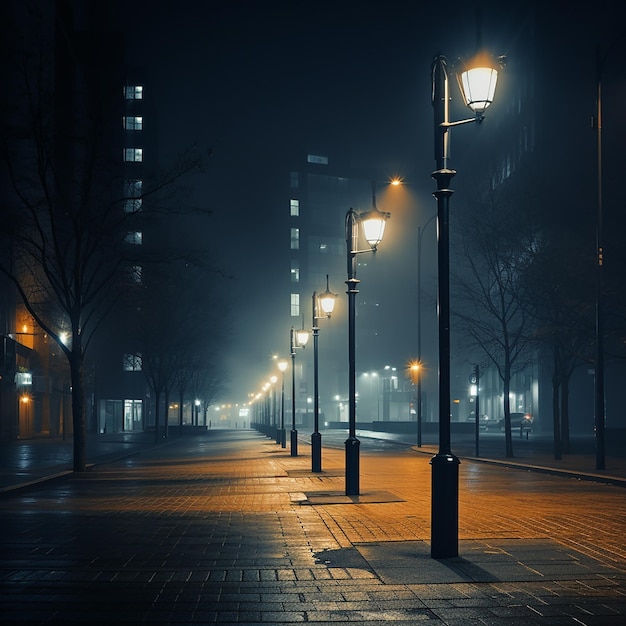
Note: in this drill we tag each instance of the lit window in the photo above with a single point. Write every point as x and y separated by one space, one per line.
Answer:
132 205
135 274
134 238
132 363
133 92
295 305
133 123
313 158
295 238
132 192
295 272
133 187
133 155
294 208
133 411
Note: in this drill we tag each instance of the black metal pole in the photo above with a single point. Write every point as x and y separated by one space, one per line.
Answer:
477 410
316 437
283 437
352 443
445 466
599 364
420 233
294 432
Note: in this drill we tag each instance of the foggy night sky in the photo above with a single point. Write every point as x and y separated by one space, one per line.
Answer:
263 83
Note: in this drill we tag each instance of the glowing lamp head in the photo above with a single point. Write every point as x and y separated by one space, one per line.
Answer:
477 81
327 300
302 336
373 223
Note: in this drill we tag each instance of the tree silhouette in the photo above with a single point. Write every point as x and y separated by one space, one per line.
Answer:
64 221
494 248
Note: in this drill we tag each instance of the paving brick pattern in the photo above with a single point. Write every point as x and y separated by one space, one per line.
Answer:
228 528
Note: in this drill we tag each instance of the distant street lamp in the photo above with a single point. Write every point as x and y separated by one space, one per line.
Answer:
415 374
325 302
477 85
282 366
298 339
600 408
266 409
373 223
274 418
420 235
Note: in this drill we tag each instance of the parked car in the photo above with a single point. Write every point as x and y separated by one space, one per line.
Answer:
483 421
522 421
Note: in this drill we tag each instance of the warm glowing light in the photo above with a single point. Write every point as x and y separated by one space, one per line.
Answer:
282 365
477 81
374 226
414 368
302 337
395 181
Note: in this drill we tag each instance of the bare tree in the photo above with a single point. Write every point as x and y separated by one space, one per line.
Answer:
494 250
564 315
63 218
178 333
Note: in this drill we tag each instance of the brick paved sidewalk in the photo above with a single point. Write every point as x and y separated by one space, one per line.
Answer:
229 528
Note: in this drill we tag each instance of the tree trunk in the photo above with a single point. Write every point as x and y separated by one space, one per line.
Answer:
507 414
180 412
166 419
565 413
157 410
78 408
556 426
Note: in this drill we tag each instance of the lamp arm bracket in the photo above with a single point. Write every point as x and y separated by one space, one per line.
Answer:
478 119
362 251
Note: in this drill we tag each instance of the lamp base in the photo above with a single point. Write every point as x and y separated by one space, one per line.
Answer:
316 452
294 443
444 521
352 466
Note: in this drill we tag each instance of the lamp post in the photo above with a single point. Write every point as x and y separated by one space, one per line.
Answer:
415 374
420 235
266 409
282 366
298 339
478 87
373 223
325 301
274 420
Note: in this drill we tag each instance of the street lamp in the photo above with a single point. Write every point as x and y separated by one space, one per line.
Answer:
373 223
266 409
274 420
282 366
298 339
325 302
415 374
477 83
420 235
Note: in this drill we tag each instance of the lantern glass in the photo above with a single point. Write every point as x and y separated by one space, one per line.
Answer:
478 85
373 224
302 337
327 302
